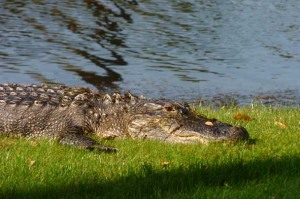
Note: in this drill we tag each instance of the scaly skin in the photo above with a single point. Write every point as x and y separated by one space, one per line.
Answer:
69 114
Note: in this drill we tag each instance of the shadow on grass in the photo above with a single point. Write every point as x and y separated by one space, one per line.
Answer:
150 183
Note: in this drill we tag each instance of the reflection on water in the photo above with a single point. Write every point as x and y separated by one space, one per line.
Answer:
61 41
175 49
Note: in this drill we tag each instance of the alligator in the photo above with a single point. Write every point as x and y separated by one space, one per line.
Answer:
70 114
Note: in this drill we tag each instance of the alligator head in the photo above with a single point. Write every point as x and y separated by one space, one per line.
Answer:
176 122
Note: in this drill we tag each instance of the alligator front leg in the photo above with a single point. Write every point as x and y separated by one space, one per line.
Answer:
81 141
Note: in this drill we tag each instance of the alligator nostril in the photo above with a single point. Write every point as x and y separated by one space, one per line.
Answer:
239 132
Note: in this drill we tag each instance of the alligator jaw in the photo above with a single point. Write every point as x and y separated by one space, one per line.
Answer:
205 131
191 129
230 133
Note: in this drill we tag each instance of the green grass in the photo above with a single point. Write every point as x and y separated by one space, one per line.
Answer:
268 166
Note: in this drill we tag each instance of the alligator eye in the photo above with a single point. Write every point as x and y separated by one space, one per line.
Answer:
169 107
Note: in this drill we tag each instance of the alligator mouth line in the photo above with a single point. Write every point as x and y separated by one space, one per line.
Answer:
185 135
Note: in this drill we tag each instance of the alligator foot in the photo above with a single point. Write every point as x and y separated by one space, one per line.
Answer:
81 141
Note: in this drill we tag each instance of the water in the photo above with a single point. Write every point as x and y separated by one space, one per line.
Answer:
173 49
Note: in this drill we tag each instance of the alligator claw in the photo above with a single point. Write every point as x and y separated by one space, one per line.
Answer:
102 148
83 142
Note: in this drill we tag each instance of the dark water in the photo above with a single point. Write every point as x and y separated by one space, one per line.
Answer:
173 49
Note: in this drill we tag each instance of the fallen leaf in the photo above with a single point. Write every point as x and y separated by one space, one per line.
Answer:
208 123
280 124
165 163
31 162
33 143
242 116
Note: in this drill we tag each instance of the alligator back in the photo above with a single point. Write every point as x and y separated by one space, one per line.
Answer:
47 111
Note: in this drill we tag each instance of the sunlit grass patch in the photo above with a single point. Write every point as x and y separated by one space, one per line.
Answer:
267 166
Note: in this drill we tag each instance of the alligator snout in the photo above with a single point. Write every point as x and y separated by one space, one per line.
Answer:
238 133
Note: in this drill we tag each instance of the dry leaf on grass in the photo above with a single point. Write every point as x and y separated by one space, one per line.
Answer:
242 116
165 164
31 162
33 143
208 123
280 124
